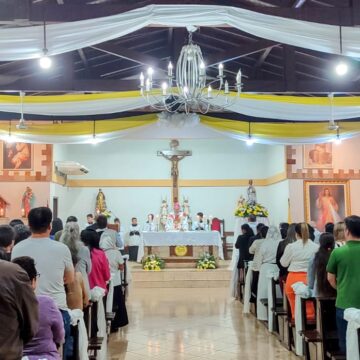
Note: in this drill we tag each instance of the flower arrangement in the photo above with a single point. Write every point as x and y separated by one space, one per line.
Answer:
245 210
107 214
153 263
206 261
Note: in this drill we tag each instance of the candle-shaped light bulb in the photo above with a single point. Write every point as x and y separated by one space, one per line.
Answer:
202 69
221 69
170 69
164 88
238 77
226 87
142 79
150 73
209 91
186 91
147 87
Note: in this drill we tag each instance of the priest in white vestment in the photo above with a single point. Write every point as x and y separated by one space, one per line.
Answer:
133 239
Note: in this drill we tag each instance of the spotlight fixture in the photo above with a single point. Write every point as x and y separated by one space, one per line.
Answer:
45 61
342 67
250 140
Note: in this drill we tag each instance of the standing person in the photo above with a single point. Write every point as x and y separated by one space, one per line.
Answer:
133 240
317 277
116 261
252 222
329 227
89 220
284 227
290 238
71 238
242 243
100 271
255 250
121 232
22 232
7 239
53 261
339 234
267 259
343 274
70 218
102 227
19 314
56 225
50 334
296 257
258 233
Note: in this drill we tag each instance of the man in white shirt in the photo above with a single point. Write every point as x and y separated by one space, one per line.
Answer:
53 261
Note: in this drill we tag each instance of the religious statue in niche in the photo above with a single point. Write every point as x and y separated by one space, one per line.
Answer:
3 206
28 201
100 207
251 193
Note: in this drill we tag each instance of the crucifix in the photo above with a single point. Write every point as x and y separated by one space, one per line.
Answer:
174 155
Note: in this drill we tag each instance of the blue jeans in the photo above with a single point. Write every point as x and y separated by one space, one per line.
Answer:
341 324
67 348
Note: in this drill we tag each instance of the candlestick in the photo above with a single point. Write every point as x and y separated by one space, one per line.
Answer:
147 87
202 69
209 92
221 70
150 73
238 78
226 87
164 88
142 79
170 69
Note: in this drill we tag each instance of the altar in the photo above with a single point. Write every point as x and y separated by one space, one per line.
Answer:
180 238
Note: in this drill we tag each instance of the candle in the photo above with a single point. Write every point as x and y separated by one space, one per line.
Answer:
202 69
238 77
186 91
150 73
142 79
147 88
23 212
221 70
226 87
2 212
170 69
164 88
209 92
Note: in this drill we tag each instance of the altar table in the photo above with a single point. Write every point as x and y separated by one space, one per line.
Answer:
181 238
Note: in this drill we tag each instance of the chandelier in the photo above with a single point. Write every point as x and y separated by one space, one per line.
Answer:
190 90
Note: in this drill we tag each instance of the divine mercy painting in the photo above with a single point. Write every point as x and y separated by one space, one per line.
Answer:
326 201
17 156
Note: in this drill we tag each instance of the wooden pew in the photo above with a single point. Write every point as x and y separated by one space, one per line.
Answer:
90 318
278 311
289 326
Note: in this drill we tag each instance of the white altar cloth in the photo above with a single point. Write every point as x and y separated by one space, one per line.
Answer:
180 238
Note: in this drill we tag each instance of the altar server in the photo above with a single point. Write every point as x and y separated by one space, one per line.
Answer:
200 224
150 225
133 239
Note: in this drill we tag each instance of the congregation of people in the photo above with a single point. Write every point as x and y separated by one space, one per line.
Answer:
326 262
48 273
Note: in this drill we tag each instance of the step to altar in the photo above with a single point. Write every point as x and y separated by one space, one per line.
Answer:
175 275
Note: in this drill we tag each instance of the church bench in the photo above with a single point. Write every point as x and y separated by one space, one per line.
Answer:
90 319
277 311
289 326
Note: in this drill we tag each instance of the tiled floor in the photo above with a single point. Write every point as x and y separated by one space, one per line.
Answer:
191 324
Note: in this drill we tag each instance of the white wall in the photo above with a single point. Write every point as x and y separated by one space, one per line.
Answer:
277 196
137 159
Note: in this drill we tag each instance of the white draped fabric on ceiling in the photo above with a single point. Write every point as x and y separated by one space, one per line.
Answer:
291 108
27 42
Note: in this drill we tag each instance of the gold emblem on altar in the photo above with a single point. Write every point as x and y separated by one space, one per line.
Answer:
180 250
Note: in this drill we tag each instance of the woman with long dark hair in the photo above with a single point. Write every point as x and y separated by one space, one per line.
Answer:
289 239
243 244
296 257
317 275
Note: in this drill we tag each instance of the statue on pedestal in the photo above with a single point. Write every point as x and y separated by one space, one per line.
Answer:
28 201
251 193
100 202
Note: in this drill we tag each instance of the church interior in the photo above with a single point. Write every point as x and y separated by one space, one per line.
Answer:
191 170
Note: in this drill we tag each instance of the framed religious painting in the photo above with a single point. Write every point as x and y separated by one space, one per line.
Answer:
17 156
326 201
317 156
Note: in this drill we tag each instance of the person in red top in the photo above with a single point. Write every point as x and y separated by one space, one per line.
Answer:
100 271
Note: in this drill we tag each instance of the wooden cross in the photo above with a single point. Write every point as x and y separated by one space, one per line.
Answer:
174 155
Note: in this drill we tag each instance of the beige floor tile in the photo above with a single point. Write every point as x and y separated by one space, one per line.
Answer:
180 324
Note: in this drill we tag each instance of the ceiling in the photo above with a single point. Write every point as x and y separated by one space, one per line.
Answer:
115 65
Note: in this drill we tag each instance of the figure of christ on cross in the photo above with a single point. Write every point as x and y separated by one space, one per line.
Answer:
174 155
